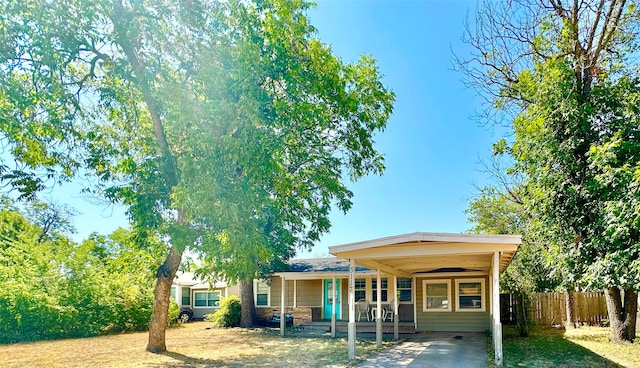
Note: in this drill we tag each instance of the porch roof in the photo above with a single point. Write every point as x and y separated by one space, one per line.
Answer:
316 268
420 252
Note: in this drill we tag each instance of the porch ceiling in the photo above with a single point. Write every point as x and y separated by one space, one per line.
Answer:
407 254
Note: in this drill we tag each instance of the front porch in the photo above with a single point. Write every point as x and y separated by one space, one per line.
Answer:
422 281
455 280
324 326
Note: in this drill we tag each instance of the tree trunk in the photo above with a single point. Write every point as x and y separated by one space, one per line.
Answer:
622 318
631 309
248 310
161 293
126 39
570 302
522 313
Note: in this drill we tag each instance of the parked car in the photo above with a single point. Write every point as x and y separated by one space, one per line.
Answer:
186 313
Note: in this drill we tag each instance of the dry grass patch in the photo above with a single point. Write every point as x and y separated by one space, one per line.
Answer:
191 345
596 339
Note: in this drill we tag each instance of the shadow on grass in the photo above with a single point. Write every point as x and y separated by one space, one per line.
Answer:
547 347
187 361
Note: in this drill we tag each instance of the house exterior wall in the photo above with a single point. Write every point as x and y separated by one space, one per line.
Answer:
474 321
309 293
200 312
233 290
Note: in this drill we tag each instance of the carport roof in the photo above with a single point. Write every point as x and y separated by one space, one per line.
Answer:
420 252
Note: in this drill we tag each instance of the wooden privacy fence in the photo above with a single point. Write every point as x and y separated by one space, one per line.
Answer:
550 308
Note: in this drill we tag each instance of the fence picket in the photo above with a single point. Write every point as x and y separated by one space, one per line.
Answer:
550 308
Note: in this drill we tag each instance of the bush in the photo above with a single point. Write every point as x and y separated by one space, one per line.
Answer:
229 313
173 319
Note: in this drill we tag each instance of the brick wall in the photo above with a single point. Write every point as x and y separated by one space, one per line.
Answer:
300 314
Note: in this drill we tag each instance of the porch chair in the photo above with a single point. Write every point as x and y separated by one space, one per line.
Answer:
388 311
362 306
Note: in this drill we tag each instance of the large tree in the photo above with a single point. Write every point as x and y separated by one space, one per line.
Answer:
225 127
566 73
499 208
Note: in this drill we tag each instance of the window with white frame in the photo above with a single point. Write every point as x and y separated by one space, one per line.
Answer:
360 289
470 295
186 296
404 289
436 295
384 286
261 291
206 298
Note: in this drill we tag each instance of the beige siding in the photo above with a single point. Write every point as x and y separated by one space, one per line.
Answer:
452 321
275 292
233 290
309 292
200 312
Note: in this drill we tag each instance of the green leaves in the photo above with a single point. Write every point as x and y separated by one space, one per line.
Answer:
53 288
205 119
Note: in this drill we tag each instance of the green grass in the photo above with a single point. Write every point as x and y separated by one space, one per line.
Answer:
583 347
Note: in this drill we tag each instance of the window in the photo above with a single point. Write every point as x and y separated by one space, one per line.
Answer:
470 294
436 295
186 296
360 289
173 293
261 293
404 289
206 298
384 286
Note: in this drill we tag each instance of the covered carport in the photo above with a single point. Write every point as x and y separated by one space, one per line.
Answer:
415 254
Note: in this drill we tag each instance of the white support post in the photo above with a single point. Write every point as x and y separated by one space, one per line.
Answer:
396 297
497 326
491 292
352 310
179 294
283 318
379 309
415 303
333 307
295 293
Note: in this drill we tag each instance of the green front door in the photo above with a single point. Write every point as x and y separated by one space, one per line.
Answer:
328 301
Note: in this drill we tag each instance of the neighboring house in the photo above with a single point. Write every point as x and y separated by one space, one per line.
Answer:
203 298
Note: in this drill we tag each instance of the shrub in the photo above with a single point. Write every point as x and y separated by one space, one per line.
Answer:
229 313
173 319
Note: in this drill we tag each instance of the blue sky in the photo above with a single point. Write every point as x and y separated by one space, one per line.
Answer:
432 145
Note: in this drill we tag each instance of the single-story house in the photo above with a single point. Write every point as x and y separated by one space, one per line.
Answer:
440 282
437 282
203 297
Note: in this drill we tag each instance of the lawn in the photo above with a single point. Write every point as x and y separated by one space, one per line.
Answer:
191 345
583 347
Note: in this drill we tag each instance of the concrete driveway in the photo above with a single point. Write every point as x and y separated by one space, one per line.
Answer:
434 349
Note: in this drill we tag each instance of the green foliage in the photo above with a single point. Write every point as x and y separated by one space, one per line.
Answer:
232 114
570 74
229 313
227 128
496 211
53 288
173 318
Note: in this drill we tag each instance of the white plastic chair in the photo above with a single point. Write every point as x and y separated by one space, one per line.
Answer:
362 306
389 311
